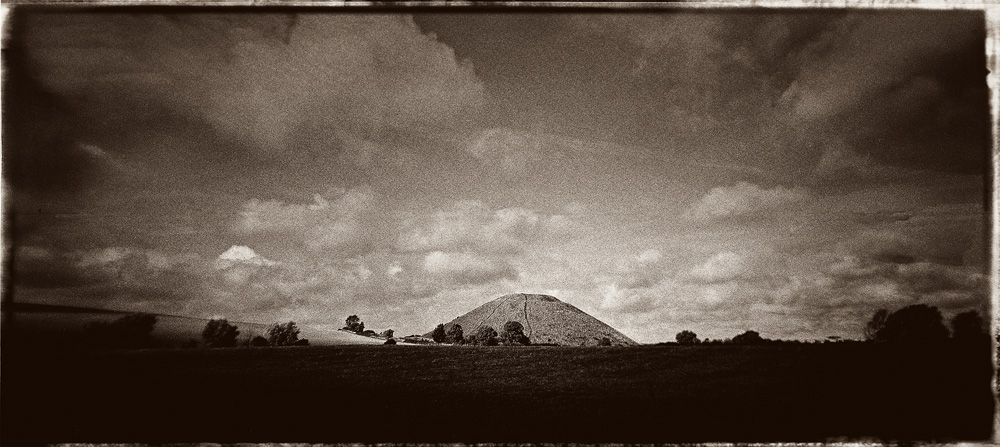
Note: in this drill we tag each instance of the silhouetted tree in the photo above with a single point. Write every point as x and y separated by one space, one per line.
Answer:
455 334
876 324
968 327
748 338
439 334
917 323
388 333
355 324
129 331
218 333
513 334
486 335
282 334
258 341
687 337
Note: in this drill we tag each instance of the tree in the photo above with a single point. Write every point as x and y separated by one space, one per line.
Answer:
605 341
355 324
748 338
513 334
439 334
917 323
282 334
876 324
130 331
686 337
388 333
968 327
218 333
455 334
486 335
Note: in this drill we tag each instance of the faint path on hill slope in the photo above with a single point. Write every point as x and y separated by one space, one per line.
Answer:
526 320
493 311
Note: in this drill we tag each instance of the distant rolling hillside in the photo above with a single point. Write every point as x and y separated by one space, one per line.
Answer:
545 320
46 320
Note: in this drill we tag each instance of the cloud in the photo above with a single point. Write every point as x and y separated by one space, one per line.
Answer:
743 199
722 267
346 225
112 277
241 254
466 268
473 226
854 60
275 80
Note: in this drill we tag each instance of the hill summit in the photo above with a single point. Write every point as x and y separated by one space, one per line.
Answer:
545 320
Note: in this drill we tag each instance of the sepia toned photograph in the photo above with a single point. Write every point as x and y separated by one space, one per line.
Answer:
496 224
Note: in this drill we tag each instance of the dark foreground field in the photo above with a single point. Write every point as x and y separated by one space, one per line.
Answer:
498 394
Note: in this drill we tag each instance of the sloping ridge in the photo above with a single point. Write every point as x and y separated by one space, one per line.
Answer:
545 320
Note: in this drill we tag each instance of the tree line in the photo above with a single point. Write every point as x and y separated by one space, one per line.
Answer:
134 331
913 324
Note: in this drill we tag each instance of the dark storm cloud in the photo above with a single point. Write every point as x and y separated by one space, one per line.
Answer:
906 88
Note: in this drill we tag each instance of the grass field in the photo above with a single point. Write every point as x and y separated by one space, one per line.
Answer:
498 394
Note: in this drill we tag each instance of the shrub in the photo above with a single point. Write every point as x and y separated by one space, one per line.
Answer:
282 334
471 340
439 335
513 334
218 333
390 341
455 334
968 327
486 336
687 338
129 331
917 323
605 341
388 333
258 341
355 324
190 344
748 338
876 324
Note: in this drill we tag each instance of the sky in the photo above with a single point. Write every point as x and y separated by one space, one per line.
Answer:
784 171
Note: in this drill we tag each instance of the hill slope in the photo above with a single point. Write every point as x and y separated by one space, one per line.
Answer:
545 320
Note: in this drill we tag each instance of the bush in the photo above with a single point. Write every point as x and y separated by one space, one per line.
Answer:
917 323
513 334
687 338
190 344
968 327
355 324
390 341
486 336
282 334
388 333
455 334
439 335
605 341
129 331
258 341
876 324
748 338
218 333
